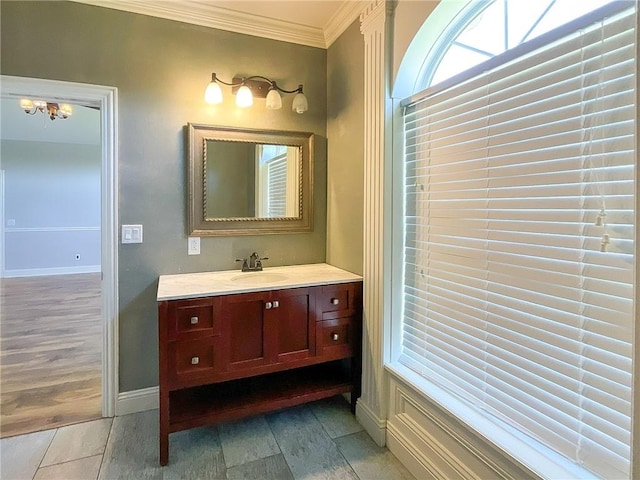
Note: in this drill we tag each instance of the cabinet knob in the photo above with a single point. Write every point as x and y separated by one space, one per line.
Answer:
335 301
195 360
194 320
335 336
268 305
276 304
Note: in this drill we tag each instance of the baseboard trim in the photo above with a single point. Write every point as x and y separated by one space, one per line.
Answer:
375 426
136 401
409 456
40 272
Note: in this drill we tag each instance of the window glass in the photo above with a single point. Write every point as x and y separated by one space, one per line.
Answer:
495 27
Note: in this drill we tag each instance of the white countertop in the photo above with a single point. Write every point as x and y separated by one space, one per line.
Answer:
206 284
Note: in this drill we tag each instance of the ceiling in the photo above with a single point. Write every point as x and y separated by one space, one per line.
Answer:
316 23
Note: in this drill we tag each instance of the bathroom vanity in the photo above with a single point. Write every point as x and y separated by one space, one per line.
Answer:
234 344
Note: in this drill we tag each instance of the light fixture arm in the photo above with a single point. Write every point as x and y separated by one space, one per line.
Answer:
295 90
214 78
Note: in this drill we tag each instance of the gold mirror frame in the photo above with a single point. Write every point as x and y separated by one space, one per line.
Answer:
199 225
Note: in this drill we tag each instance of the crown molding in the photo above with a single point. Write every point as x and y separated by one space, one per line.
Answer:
200 13
346 14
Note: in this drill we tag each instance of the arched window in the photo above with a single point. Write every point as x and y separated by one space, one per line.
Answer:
484 29
518 241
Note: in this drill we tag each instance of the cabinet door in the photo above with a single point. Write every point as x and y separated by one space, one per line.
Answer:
265 328
292 311
248 334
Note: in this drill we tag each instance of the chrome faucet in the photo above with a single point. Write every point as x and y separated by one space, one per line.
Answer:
253 263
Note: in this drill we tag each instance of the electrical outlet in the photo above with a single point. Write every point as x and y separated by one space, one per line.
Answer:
193 245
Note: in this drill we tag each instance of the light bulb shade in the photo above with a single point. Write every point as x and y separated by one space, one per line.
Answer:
26 104
274 100
300 104
65 110
244 98
213 93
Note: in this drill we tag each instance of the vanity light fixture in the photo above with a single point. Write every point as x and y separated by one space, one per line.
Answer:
31 107
246 88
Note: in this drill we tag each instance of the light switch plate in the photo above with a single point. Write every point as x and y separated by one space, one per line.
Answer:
131 234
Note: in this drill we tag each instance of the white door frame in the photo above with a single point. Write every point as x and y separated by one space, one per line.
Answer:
2 221
106 99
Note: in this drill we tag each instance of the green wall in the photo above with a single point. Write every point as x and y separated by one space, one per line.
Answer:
345 130
161 69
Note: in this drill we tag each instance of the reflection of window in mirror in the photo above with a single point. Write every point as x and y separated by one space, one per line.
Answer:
277 188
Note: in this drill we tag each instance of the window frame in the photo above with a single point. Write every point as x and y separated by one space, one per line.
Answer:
396 245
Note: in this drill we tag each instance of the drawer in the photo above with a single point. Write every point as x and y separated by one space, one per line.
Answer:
336 300
335 338
190 319
193 359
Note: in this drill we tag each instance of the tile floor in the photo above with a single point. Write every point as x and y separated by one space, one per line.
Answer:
321 440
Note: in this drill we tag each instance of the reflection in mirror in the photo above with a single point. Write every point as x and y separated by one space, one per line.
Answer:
246 182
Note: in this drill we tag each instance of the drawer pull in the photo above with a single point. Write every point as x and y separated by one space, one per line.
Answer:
268 305
335 301
335 336
195 360
194 320
276 304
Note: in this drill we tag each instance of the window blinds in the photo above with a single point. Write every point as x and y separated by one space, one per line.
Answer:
277 186
519 248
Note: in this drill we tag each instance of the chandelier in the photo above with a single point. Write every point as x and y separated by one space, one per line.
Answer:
52 109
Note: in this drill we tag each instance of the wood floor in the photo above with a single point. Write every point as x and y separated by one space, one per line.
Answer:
50 352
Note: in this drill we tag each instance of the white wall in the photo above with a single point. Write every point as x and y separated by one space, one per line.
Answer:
52 193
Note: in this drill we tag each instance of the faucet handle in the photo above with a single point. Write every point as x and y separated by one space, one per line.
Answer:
245 265
258 263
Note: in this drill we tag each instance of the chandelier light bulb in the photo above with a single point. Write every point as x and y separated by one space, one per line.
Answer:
300 103
26 105
213 93
273 100
244 98
65 110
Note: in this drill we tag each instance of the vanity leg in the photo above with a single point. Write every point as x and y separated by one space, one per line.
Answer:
164 429
356 379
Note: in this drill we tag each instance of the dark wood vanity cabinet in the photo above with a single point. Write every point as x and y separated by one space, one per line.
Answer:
267 328
230 356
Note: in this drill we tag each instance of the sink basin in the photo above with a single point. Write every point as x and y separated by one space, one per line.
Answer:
258 278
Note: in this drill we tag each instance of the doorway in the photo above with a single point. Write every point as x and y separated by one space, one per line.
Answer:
101 284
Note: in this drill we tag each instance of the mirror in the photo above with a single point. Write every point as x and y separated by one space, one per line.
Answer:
248 182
